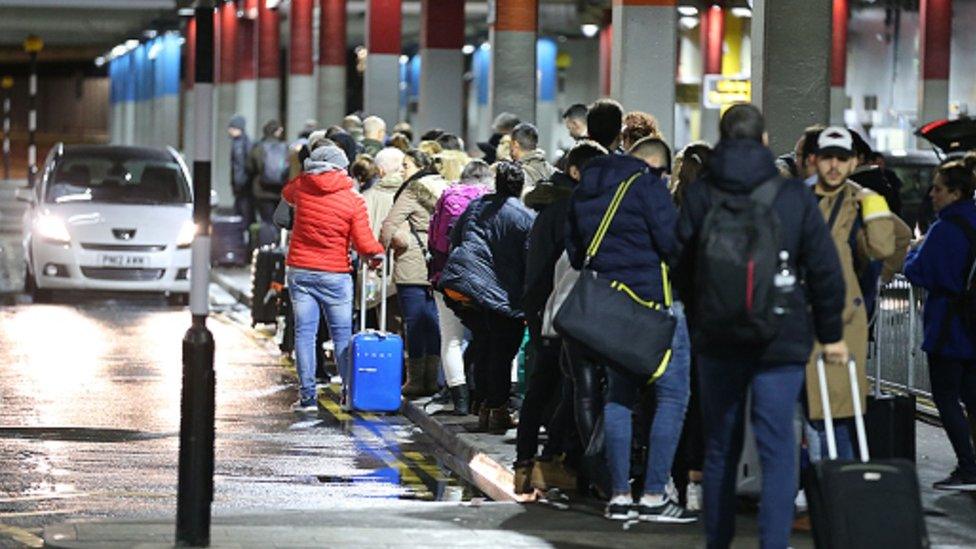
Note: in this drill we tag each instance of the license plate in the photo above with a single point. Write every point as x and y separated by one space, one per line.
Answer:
124 261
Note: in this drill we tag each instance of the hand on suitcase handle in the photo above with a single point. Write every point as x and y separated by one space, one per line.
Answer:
836 353
376 261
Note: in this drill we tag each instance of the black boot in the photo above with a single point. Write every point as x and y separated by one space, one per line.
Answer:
461 399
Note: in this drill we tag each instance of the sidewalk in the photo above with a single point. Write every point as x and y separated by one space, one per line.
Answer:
485 461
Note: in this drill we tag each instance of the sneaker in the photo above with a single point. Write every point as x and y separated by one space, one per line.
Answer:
305 405
693 497
652 509
957 480
620 508
800 502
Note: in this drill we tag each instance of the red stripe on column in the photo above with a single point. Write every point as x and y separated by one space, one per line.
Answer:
935 27
838 50
384 26
442 24
712 34
300 56
517 15
227 72
606 52
191 52
645 2
332 33
247 67
269 42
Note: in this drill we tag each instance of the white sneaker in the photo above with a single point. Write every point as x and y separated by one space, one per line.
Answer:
800 502
620 508
305 405
693 497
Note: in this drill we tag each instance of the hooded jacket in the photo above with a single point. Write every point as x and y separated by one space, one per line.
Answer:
547 241
329 218
738 167
239 149
379 200
938 266
536 169
410 216
487 261
639 237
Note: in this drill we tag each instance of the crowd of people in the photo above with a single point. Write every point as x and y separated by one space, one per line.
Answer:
485 249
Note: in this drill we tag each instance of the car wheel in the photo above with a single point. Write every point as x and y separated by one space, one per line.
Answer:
38 295
178 299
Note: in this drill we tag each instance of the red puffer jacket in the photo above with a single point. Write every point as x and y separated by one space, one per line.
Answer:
329 217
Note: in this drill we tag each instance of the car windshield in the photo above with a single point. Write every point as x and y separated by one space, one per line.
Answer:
115 177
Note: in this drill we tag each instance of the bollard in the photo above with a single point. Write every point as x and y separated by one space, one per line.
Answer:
196 465
32 45
7 82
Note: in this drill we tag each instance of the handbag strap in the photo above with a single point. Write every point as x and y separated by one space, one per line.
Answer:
601 232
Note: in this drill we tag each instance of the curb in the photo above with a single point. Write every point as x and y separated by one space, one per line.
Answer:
466 459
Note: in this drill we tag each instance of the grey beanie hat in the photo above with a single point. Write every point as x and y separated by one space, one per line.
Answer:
330 154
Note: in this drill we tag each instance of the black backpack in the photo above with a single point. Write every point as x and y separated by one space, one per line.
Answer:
965 303
738 256
274 173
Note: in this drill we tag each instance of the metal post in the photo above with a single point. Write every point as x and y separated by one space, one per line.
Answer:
6 83
196 465
32 45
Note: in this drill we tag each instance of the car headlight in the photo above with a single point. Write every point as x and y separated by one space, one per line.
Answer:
187 232
52 227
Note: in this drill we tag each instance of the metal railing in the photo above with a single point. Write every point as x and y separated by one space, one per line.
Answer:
895 355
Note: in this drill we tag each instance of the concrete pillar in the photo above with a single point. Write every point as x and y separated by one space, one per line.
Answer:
269 65
301 105
224 99
381 88
935 38
189 124
332 62
513 58
142 129
644 58
712 37
247 67
129 105
838 63
166 90
442 65
791 86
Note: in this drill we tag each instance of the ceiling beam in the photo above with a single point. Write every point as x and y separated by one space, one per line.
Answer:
140 5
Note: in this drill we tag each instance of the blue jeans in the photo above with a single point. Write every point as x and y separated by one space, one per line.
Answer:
671 395
844 433
775 390
314 292
420 317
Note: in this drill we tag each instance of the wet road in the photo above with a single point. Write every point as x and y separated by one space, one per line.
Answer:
89 420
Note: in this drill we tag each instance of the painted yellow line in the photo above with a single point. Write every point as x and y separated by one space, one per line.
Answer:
21 536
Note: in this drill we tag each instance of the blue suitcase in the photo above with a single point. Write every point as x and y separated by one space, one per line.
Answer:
376 361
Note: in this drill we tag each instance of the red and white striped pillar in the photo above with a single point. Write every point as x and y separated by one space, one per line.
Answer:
189 73
332 62
225 98
269 64
247 66
838 63
644 58
302 88
606 55
441 65
935 27
514 85
381 89
712 36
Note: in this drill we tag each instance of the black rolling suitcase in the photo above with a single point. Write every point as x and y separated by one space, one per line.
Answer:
267 281
890 423
867 504
228 246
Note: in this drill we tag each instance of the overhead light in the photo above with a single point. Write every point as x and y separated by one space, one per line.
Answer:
186 12
154 50
272 4
688 11
118 51
150 33
589 30
100 61
486 46
468 49
688 22
741 12
404 59
131 44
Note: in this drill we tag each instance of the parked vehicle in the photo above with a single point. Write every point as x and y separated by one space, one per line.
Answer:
109 218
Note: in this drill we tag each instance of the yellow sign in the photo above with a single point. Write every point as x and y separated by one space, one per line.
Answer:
720 91
7 82
33 44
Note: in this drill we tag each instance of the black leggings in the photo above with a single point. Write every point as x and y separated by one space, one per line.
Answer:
587 377
954 385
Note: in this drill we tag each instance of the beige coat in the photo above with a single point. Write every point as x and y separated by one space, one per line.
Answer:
411 212
875 241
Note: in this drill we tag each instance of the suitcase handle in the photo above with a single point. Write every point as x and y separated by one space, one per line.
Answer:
385 268
862 438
